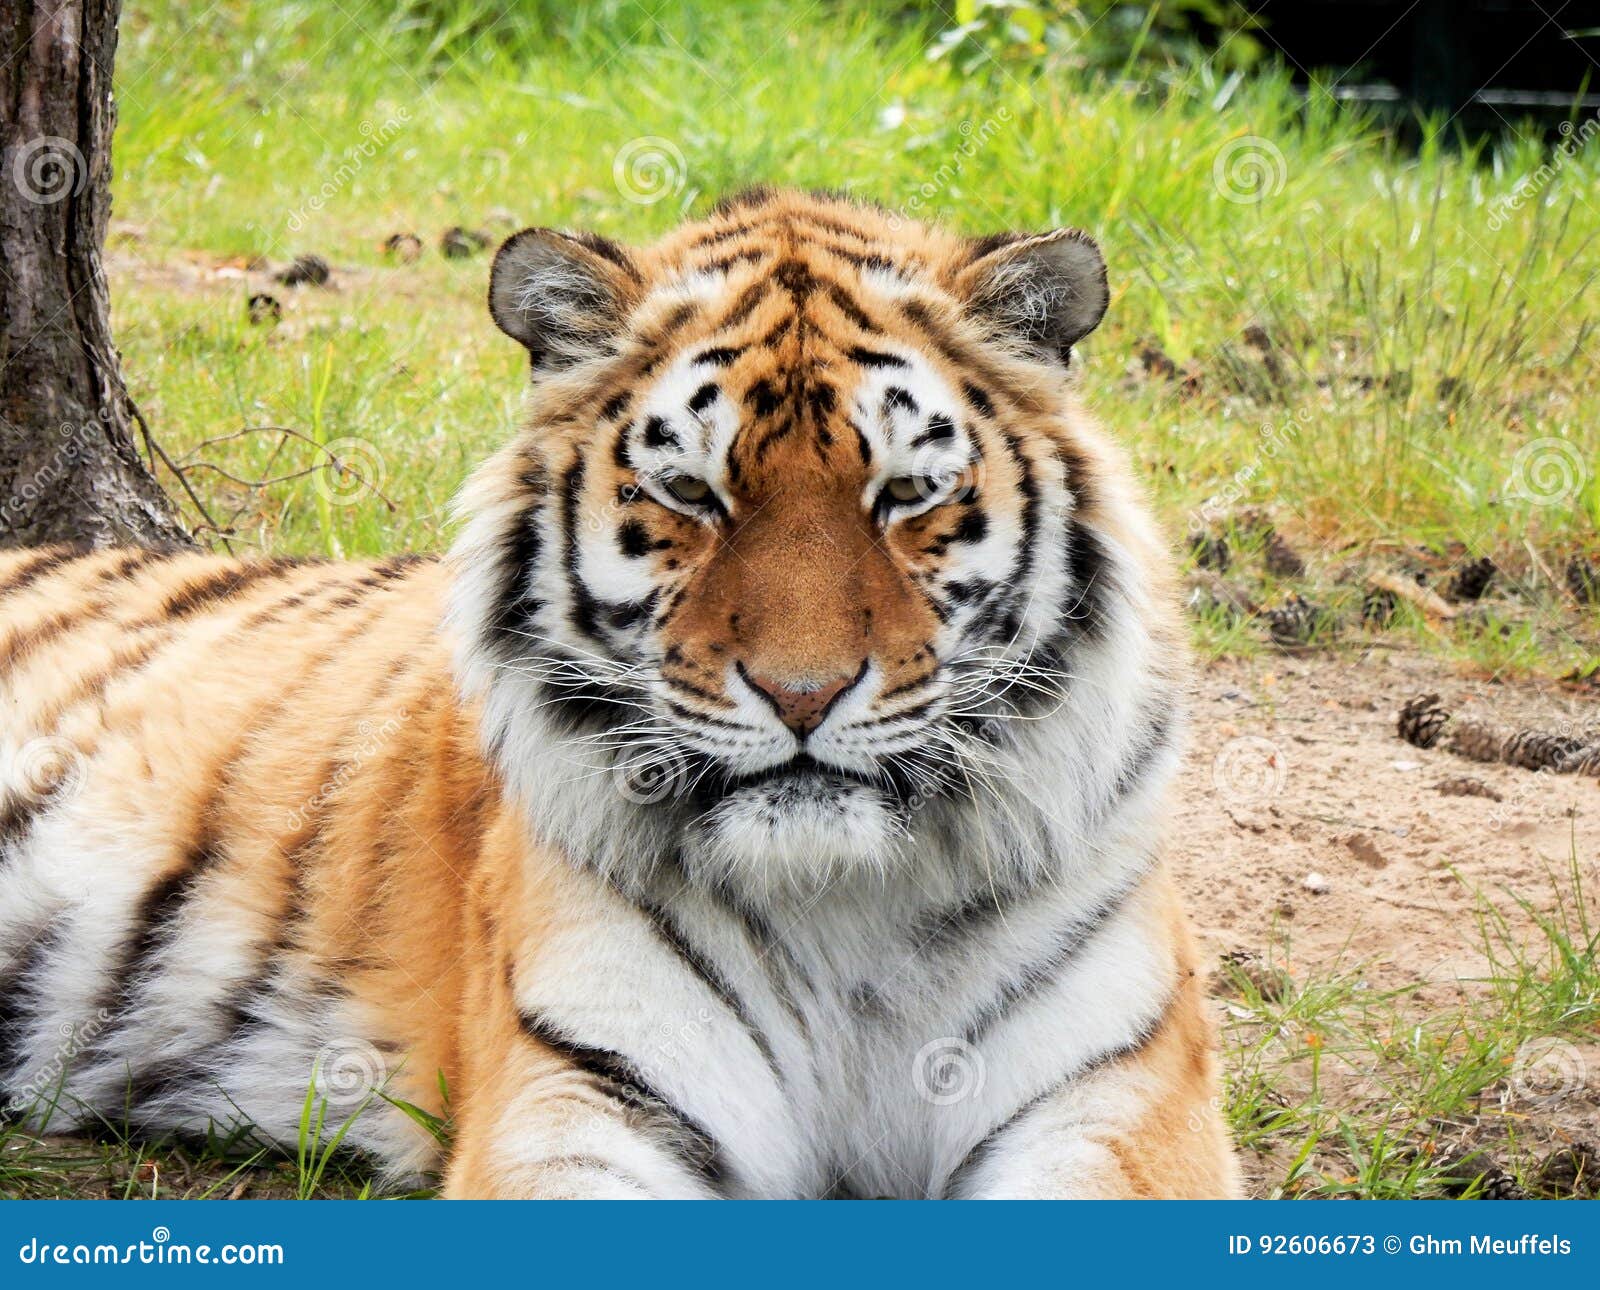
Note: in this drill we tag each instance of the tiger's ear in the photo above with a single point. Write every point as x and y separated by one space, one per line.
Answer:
1046 292
562 295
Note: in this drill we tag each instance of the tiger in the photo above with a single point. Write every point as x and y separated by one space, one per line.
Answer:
763 798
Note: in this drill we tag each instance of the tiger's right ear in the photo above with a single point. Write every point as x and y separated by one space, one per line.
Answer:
562 295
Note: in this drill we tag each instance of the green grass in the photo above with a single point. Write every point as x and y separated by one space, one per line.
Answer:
1368 333
1338 1088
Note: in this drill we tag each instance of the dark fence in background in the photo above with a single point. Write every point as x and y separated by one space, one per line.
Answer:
1478 59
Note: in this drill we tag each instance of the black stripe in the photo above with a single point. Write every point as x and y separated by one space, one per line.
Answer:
657 434
585 611
745 305
161 909
16 996
697 963
985 1146
618 1079
896 397
515 603
24 643
1088 569
224 585
1157 738
765 944
852 311
1040 974
39 566
1020 583
861 356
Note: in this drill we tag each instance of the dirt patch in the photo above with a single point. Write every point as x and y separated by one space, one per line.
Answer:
1295 773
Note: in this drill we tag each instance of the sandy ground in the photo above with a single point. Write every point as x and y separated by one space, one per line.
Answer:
1296 779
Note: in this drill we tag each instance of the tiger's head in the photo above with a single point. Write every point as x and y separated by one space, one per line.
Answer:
808 562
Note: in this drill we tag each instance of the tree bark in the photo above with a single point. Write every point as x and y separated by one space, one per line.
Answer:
68 467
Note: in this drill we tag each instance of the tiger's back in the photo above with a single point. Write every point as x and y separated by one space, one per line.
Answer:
231 793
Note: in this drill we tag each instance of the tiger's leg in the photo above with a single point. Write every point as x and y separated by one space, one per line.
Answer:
557 1121
538 1113
1146 1125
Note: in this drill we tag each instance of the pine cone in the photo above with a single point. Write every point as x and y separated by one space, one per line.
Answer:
1586 761
1466 786
1422 719
1296 622
458 243
1571 1171
1499 1185
405 247
1210 552
1472 580
1378 607
306 268
1583 581
1281 559
1536 750
1476 741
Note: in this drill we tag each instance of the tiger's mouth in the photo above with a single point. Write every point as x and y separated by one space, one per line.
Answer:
803 770
805 780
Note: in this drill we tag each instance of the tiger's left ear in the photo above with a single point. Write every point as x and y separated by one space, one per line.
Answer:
1047 292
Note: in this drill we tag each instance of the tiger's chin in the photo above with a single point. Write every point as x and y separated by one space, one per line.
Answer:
796 830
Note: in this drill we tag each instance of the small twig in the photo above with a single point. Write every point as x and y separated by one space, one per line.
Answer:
287 432
180 474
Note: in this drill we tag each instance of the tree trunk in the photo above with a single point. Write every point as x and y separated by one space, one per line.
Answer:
68 467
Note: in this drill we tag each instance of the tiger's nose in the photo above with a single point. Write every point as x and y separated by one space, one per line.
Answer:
801 705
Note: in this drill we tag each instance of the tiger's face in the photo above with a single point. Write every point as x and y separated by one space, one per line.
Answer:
800 537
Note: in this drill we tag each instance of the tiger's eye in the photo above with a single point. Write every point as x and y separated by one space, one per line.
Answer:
686 488
907 488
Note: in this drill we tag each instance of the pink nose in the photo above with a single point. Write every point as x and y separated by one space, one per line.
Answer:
800 705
